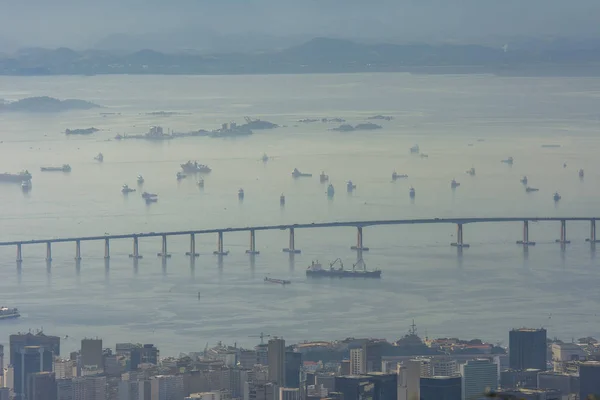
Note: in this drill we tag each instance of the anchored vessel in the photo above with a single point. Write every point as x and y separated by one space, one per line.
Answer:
471 171
414 149
99 157
316 270
18 178
194 168
330 190
241 194
323 178
297 174
140 180
26 186
556 196
454 184
63 168
350 186
279 281
201 182
7 313
531 189
282 199
126 189
524 180
581 173
147 195
265 157
411 192
181 175
509 161
396 175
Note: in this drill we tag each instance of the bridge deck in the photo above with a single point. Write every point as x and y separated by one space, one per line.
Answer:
303 226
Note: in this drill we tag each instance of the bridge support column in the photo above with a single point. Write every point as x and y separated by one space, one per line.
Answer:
563 233
48 251
19 253
459 237
292 247
192 251
359 240
136 249
106 249
164 253
77 250
220 251
525 241
592 238
252 249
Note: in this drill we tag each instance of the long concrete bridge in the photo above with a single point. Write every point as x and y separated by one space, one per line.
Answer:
359 225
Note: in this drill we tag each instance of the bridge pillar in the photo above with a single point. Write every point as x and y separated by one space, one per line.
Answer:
19 253
106 249
592 238
77 250
164 253
525 241
359 240
252 250
292 246
563 233
192 251
136 249
48 251
459 237
220 251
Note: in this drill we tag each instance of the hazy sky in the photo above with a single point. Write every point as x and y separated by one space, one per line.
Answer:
82 22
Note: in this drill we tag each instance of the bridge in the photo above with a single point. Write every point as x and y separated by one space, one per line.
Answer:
359 225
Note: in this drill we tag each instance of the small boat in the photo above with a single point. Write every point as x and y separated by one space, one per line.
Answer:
201 183
147 195
350 186
581 173
180 175
414 149
26 186
565 165
150 200
140 180
194 168
126 189
99 157
279 281
411 192
556 196
531 189
297 174
524 180
396 175
265 158
471 171
63 168
323 178
454 184
330 190
509 161
241 194
423 155
282 199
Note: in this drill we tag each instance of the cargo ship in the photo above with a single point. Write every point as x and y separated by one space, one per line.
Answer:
17 178
316 270
279 281
7 313
63 168
193 167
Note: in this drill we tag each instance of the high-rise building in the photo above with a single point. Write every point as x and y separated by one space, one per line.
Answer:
1 360
527 349
444 367
566 383
4 393
143 354
441 388
166 387
89 388
530 394
358 361
345 367
409 375
589 379
276 355
373 351
478 377
355 387
29 360
9 377
91 353
63 369
289 393
293 369
64 389
386 385
41 386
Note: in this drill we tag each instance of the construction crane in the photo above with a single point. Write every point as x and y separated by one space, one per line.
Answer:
262 337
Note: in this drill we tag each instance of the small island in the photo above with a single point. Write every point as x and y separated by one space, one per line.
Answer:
85 131
360 127
165 113
381 117
46 104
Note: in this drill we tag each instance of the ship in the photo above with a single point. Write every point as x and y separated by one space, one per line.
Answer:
26 186
258 124
471 171
155 133
231 130
323 177
140 180
330 190
454 184
411 192
279 281
531 189
8 313
99 157
150 200
200 183
524 180
241 194
86 131
265 158
17 178
508 161
63 168
556 196
316 270
126 189
147 195
194 168
282 200
350 186
180 175
414 149
297 174
581 173
396 175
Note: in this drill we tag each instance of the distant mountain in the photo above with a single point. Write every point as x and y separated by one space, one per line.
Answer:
46 104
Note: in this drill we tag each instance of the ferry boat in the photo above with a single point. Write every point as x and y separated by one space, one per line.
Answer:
531 189
194 168
140 180
524 180
316 270
454 184
8 313
99 157
509 161
471 171
279 281
26 186
180 175
330 190
147 195
126 189
282 199
581 173
556 196
150 200
297 174
241 194
201 183
63 168
414 149
350 186
411 192
396 175
18 178
323 178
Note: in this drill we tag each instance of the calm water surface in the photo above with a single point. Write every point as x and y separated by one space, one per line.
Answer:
459 121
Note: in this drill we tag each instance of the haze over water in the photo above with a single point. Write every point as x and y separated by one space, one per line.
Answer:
491 287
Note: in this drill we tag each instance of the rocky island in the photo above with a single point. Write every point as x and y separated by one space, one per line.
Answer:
360 127
45 104
84 131
381 117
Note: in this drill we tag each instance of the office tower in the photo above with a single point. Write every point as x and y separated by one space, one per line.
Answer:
358 361
41 386
29 360
91 353
441 388
247 358
289 393
386 385
63 369
409 375
355 387
530 394
166 387
133 390
293 368
478 377
444 367
259 391
204 396
276 356
589 379
20 340
146 354
527 349
9 377
345 367
64 389
566 383
1 360
4 393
